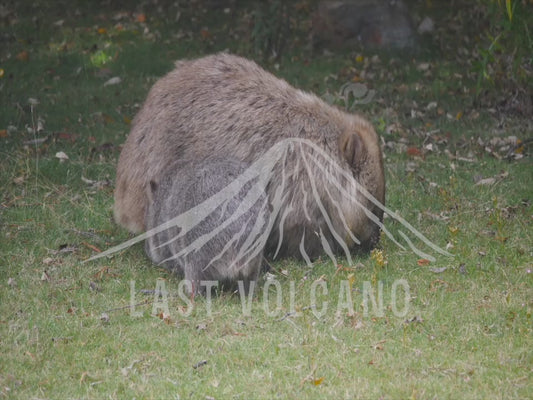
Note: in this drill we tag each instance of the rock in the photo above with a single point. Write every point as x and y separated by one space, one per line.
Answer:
374 24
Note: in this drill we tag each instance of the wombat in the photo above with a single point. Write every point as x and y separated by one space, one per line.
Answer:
227 106
214 241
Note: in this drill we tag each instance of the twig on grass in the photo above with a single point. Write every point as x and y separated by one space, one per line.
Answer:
290 314
142 303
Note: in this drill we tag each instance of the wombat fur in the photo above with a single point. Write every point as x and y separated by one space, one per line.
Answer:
194 248
227 106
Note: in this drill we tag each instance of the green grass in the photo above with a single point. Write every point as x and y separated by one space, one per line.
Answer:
65 326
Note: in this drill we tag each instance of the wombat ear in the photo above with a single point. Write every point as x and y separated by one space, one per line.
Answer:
352 148
150 191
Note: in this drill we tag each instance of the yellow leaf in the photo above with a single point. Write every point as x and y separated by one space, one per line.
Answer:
359 59
509 7
351 280
378 257
318 381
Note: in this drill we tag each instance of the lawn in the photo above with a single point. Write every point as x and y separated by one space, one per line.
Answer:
393 325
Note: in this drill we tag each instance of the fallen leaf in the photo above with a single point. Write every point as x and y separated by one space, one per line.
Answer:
431 105
113 81
141 17
45 277
3 133
422 262
486 182
453 230
48 261
423 66
413 152
71 137
19 180
318 381
93 248
23 56
62 156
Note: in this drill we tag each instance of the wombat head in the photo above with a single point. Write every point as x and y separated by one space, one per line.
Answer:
359 148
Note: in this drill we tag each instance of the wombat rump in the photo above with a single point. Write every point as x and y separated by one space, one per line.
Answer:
213 241
226 106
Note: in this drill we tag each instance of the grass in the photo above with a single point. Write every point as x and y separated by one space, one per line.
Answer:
65 328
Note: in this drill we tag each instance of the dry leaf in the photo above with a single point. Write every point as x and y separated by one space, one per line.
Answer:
414 152
318 381
23 56
19 180
71 137
486 182
113 81
45 277
62 156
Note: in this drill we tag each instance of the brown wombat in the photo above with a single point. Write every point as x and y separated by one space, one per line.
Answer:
226 106
221 235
